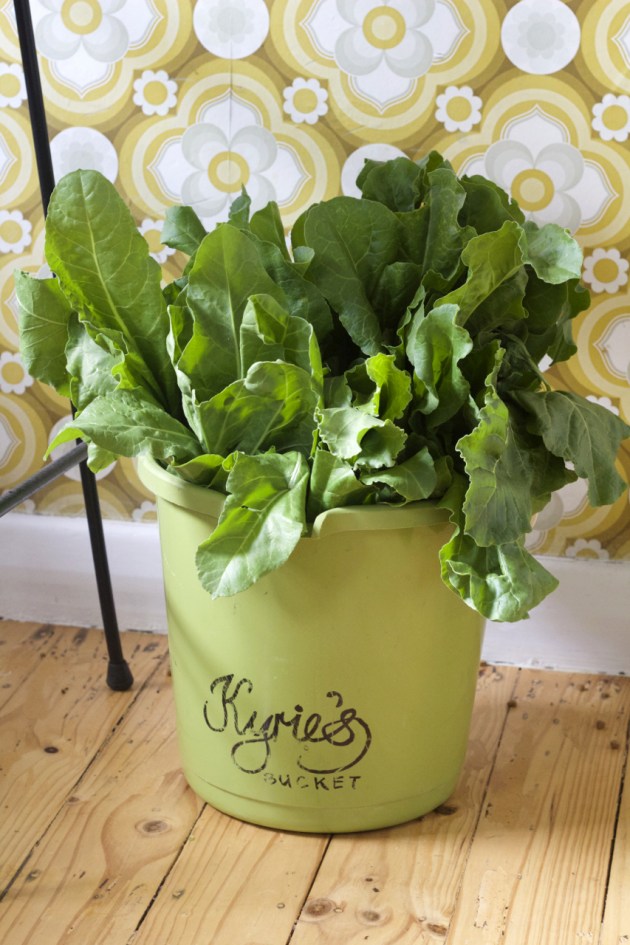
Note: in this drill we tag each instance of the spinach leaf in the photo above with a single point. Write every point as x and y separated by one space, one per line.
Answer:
183 230
435 346
105 271
413 479
269 333
491 259
124 422
272 407
261 523
334 484
502 582
44 316
227 270
354 243
582 433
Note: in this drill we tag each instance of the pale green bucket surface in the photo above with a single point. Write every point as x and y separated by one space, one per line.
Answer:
335 694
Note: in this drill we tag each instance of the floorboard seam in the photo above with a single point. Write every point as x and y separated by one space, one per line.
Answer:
473 833
165 877
101 748
613 839
308 890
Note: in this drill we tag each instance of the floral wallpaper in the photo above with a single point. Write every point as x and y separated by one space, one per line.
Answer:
187 100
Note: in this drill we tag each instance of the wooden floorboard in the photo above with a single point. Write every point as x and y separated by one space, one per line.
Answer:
101 841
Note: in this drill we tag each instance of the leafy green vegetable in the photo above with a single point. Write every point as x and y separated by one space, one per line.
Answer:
105 271
262 521
273 406
125 423
334 484
390 357
45 313
182 230
582 433
413 479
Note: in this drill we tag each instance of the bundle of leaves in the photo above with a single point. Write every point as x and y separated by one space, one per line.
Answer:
390 357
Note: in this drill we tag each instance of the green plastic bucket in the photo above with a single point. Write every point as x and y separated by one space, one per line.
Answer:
336 693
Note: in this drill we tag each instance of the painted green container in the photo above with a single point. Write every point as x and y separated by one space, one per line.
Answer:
336 693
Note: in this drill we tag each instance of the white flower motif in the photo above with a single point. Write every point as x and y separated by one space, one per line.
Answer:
91 24
605 270
147 512
12 85
586 548
231 29
14 378
151 230
458 108
385 32
540 36
354 164
225 165
15 231
83 148
155 92
611 117
604 402
28 506
539 178
305 101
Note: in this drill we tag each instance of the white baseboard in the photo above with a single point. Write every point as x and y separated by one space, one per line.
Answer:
46 575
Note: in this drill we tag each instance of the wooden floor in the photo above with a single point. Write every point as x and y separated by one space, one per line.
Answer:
101 841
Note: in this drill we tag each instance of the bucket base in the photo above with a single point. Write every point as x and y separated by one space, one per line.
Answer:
319 819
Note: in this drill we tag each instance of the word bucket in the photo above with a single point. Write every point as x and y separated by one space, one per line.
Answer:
335 694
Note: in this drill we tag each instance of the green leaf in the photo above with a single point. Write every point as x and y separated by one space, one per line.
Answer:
273 407
435 346
583 433
226 272
266 225
487 206
91 368
413 479
333 485
499 463
550 309
204 470
491 259
44 316
381 446
105 271
502 582
262 521
239 210
352 434
182 230
269 333
378 387
552 253
354 242
126 424
342 429
399 184
503 309
445 238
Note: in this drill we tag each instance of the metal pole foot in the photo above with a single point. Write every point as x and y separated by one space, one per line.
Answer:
119 676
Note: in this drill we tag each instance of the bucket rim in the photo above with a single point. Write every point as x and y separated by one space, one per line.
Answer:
208 502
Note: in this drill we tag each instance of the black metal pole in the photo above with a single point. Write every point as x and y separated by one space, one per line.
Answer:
119 675
47 474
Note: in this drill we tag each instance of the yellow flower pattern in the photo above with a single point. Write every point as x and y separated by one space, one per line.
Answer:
186 101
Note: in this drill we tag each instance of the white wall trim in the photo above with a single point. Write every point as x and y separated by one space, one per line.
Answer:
46 575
